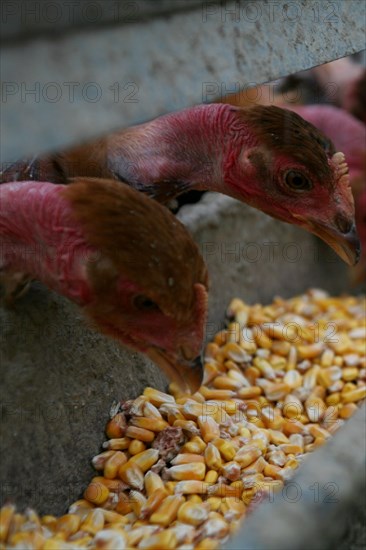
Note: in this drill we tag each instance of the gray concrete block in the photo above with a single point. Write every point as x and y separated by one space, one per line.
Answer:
61 89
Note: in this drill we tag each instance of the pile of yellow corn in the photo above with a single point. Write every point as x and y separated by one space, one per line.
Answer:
181 471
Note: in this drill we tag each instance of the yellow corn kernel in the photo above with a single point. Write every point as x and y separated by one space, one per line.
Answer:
110 539
310 377
96 492
82 542
214 503
117 444
292 426
271 417
165 540
276 391
145 460
292 463
207 544
247 455
310 351
265 368
271 470
93 522
132 474
80 507
317 431
136 447
191 487
167 511
347 410
6 515
256 466
153 482
196 470
68 524
140 433
152 424
116 427
113 485
187 458
137 534
215 394
226 383
315 408
212 457
222 490
292 358
327 357
233 508
98 461
157 397
277 438
289 448
153 503
188 426
333 399
210 373
138 501
113 463
170 486
262 340
293 379
209 428
112 517
211 476
249 393
191 513
281 347
195 445
226 448
354 395
292 406
231 471
123 505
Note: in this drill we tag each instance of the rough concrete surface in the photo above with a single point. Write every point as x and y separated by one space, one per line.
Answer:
77 85
60 378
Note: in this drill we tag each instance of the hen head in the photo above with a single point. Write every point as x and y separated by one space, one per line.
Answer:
294 175
149 282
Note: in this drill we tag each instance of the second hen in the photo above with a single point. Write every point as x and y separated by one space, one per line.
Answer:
125 260
266 156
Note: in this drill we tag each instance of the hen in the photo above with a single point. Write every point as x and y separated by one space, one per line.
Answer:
266 156
123 258
345 82
346 132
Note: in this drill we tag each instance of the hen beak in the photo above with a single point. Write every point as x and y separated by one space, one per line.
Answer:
345 243
187 373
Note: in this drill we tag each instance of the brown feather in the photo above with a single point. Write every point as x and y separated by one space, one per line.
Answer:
148 258
285 131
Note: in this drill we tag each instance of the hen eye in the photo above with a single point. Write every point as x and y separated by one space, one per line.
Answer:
144 303
297 181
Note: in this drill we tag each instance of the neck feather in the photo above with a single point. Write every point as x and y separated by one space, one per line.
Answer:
186 146
39 236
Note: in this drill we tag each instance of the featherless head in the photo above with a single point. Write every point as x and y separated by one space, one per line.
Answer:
294 173
149 282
